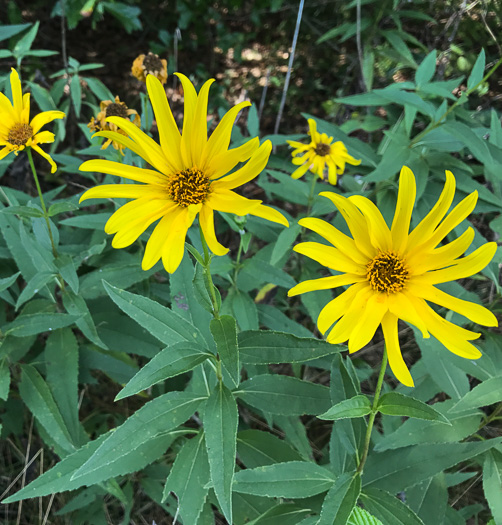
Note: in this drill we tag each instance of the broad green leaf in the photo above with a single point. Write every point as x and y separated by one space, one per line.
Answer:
188 479
200 289
368 68
6 31
284 395
25 42
61 357
406 98
160 321
98 88
387 508
470 140
284 513
361 517
284 242
429 499
295 433
426 69
492 483
396 470
396 41
59 478
118 275
38 398
224 331
159 416
95 221
33 286
256 449
220 424
24 211
61 207
477 72
4 379
264 347
294 479
7 282
272 318
76 93
340 500
170 362
244 310
31 324
395 404
64 263
358 406
486 393
76 305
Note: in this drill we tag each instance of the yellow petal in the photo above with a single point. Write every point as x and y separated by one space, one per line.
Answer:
379 231
7 110
396 361
206 222
190 96
123 170
17 92
136 209
199 132
269 214
338 239
300 172
229 202
25 113
226 161
404 207
41 119
174 246
46 156
401 306
4 152
124 141
44 137
312 128
325 283
475 312
367 324
119 191
169 134
329 257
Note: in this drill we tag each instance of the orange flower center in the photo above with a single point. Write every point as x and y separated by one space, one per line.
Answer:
188 186
387 272
19 134
322 149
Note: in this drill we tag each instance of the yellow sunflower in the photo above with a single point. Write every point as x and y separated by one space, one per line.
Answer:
189 177
321 152
16 130
392 272
150 64
113 109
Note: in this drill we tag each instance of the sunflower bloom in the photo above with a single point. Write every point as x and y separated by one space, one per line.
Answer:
113 109
150 64
16 130
321 152
391 273
189 177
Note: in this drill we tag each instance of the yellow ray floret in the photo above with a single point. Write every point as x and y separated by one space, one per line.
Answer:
16 130
188 177
391 272
320 155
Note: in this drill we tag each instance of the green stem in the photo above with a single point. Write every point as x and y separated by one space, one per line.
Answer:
311 194
374 411
434 125
46 215
207 274
238 261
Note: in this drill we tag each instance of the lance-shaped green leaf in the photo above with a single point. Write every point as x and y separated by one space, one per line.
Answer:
486 393
38 398
188 479
284 395
361 517
492 483
389 509
59 477
357 406
284 513
265 347
340 500
224 331
477 71
395 470
4 379
170 362
33 286
293 479
24 211
32 324
61 207
160 321
395 404
8 281
158 416
66 267
220 423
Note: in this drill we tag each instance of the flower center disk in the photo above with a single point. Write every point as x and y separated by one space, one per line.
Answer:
19 134
116 110
152 64
188 186
322 149
387 272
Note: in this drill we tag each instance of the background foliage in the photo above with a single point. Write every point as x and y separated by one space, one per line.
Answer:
91 343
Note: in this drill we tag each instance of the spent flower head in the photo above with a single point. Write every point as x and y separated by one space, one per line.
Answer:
150 64
391 273
109 108
320 153
17 132
189 177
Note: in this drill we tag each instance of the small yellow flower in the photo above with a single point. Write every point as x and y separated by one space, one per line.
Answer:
392 273
321 152
113 109
150 64
16 130
188 177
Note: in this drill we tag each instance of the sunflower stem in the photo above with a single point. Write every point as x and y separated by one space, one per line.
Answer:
374 412
42 203
207 275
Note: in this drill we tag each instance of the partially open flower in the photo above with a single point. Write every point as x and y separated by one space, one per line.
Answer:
112 109
16 130
150 64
